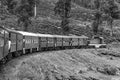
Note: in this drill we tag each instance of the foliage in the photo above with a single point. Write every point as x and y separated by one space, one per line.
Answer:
112 11
81 10
105 10
23 9
97 15
3 10
62 8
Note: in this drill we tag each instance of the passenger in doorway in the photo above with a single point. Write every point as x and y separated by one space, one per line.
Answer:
9 45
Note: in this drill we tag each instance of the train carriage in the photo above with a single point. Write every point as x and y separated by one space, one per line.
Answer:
1 45
20 42
46 41
30 41
75 41
97 42
51 42
43 42
59 41
35 43
4 43
66 41
16 43
83 41
13 40
79 41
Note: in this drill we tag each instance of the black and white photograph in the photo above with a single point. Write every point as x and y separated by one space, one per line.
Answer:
59 39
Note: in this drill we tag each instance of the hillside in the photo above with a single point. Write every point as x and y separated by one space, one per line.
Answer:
47 22
46 13
83 64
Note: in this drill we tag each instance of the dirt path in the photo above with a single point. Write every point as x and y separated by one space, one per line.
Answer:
75 64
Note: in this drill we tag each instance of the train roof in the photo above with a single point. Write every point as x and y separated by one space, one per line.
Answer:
27 33
83 36
34 34
61 36
42 35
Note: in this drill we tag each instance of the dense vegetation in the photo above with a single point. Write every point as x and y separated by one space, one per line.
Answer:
20 15
63 8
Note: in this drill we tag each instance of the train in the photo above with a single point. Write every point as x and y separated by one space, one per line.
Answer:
16 43
97 42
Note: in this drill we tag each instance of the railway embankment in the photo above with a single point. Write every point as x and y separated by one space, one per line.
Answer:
77 64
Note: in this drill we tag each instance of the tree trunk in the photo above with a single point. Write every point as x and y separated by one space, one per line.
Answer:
111 26
35 11
95 27
25 26
64 25
65 22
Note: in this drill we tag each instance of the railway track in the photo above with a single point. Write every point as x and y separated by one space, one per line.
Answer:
6 59
2 63
26 60
17 43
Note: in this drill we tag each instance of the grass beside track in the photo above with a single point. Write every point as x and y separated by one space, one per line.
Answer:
76 64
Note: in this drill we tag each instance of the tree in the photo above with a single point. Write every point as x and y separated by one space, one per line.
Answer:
24 12
97 21
97 16
109 9
34 4
23 9
3 10
113 13
63 8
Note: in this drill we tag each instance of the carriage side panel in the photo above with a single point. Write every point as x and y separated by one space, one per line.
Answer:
19 42
28 42
6 44
66 41
59 42
34 42
43 42
13 42
50 42
1 46
74 41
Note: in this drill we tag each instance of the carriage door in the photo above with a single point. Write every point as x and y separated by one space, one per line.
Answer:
1 44
4 36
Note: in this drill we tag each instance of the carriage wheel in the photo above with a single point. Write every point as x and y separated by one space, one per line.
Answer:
3 61
16 54
9 56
